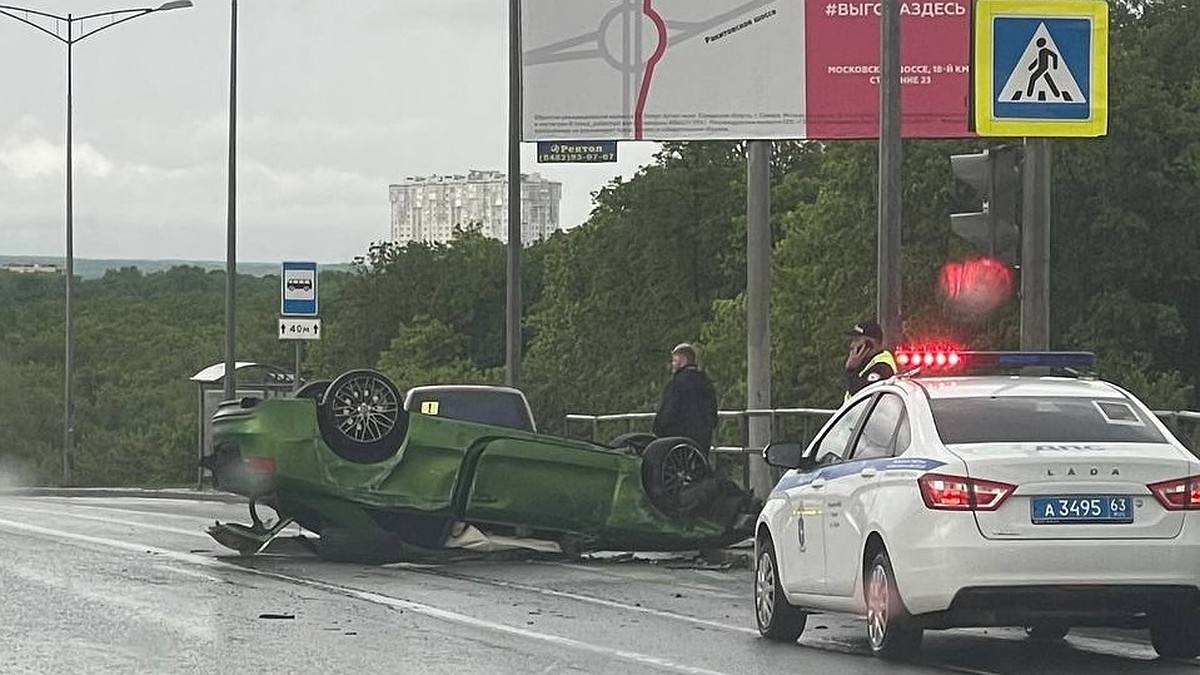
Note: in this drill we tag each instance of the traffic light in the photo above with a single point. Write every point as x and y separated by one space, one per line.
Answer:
995 175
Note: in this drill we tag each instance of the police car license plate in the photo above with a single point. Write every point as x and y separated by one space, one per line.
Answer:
1081 509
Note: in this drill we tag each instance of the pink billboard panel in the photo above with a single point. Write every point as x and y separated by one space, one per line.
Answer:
842 69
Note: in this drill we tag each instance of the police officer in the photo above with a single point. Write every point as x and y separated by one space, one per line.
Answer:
868 361
689 403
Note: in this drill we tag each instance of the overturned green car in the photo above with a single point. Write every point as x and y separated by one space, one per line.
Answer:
454 468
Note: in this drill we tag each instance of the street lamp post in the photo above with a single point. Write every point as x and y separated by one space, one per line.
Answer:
229 379
30 18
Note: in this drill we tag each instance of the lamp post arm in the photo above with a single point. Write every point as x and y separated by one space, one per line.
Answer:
97 15
10 12
119 16
132 14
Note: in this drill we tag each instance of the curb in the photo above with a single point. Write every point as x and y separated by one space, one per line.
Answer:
139 493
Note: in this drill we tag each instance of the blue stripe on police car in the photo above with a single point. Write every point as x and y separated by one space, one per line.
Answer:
880 464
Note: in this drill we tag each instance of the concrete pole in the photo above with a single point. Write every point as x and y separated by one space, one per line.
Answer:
1035 247
889 270
512 373
758 304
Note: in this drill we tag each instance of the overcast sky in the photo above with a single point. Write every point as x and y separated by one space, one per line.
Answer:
336 100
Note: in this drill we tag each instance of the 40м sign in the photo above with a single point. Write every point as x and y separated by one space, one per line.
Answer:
734 69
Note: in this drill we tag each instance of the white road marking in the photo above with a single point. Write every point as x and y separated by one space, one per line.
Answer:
592 600
189 573
375 598
450 575
707 590
111 521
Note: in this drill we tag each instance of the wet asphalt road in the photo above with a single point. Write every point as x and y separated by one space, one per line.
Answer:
134 585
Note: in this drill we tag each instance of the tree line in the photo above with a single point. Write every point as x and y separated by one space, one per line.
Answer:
660 260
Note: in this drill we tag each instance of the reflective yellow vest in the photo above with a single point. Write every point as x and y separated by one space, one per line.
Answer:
884 356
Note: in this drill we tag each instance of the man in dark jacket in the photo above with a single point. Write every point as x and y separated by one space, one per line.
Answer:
689 404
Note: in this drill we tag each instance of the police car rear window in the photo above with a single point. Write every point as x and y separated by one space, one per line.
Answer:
1021 419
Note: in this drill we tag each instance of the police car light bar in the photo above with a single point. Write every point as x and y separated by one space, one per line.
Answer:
928 358
950 360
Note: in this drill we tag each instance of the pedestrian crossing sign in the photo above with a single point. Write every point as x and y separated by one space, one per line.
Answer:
1040 68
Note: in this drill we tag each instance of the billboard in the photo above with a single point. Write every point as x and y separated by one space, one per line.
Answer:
664 70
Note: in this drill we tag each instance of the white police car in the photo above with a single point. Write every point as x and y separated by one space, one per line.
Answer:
1041 501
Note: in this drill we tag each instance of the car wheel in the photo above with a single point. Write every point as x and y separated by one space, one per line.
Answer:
314 390
1047 632
776 618
1176 635
361 417
674 474
890 629
637 441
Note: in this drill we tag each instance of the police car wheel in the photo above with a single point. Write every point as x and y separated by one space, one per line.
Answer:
777 620
890 629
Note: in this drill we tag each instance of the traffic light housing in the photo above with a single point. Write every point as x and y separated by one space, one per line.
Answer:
995 175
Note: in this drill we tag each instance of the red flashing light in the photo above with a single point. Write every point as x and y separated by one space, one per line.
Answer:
1181 494
928 357
953 493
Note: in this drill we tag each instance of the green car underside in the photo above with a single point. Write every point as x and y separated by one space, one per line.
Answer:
449 471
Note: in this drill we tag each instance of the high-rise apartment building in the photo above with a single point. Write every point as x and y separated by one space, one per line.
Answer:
427 208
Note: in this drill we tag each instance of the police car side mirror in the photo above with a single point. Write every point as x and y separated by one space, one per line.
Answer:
784 455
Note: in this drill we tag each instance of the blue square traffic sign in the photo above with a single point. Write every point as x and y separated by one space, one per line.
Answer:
298 289
1041 68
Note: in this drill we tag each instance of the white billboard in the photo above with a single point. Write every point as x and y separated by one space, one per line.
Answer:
662 69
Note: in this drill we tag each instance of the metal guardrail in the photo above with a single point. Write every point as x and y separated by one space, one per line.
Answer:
802 424
732 449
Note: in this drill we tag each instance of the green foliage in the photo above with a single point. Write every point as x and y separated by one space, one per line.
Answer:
427 351
138 338
661 260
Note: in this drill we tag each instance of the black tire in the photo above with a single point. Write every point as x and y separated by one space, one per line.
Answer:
362 417
1176 635
891 632
776 618
636 441
314 390
675 475
1047 632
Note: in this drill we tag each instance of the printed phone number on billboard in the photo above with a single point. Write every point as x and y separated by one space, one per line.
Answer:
578 157
922 9
569 152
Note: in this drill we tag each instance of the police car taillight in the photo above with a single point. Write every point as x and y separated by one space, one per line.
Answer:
955 493
1182 494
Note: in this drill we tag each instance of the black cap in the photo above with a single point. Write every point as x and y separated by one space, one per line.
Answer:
869 328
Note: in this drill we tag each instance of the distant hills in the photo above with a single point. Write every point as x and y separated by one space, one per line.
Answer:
89 268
